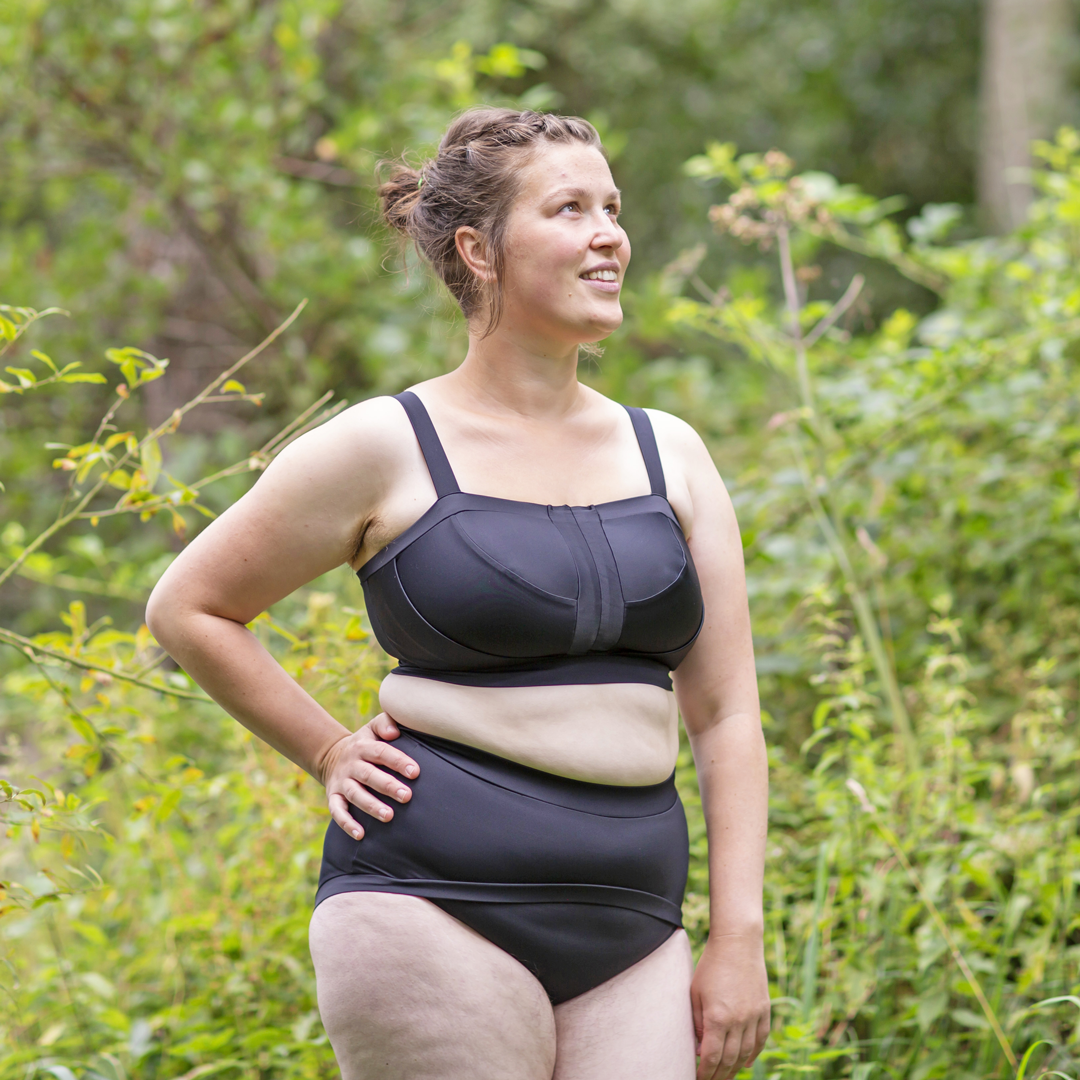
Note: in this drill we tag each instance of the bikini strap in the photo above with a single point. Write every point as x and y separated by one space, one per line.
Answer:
646 438
442 476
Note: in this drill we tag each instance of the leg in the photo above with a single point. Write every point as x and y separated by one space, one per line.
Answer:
406 992
637 1024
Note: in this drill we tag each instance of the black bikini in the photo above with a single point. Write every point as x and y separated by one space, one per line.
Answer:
577 880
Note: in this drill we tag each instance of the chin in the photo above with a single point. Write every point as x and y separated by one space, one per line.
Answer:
606 329
600 327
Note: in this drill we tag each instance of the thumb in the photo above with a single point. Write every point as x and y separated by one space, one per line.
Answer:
384 726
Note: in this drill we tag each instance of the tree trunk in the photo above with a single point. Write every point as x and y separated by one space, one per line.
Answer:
1023 96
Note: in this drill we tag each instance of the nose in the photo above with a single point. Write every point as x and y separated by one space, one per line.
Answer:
609 234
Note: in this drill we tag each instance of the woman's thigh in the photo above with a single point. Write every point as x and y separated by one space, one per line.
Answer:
406 992
637 1024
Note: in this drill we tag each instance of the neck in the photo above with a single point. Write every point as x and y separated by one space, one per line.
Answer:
513 373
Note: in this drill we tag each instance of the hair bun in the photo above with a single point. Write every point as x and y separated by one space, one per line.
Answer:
400 196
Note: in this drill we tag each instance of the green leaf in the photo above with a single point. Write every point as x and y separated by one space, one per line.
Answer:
970 1019
7 329
233 387
150 459
83 728
168 805
1027 1056
61 1072
26 377
37 354
84 377
930 1007
116 438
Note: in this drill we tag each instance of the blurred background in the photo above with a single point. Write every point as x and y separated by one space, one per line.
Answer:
855 232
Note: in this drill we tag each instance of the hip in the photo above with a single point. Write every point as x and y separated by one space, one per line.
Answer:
477 819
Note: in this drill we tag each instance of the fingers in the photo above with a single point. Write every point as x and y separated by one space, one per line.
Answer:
725 1052
359 796
355 778
764 1026
711 1051
390 757
339 811
382 782
384 726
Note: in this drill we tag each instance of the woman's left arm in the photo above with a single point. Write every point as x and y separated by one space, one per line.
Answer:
716 688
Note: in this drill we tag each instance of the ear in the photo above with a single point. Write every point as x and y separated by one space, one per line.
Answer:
474 252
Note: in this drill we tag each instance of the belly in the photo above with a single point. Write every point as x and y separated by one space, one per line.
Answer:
613 733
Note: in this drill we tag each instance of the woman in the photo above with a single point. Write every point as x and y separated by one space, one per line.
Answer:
501 881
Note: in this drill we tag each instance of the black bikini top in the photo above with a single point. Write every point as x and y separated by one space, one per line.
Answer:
493 592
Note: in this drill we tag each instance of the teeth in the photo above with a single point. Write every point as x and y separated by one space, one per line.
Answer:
601 275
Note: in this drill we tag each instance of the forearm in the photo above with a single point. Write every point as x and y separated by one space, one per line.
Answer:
732 768
230 664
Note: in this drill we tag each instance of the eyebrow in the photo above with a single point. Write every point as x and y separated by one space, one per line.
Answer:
580 193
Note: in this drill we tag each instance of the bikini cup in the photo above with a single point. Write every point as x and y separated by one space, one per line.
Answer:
481 589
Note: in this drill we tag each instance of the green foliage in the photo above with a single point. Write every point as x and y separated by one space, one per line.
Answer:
910 498
156 921
181 176
909 525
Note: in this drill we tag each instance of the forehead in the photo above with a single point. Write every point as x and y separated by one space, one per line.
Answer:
554 167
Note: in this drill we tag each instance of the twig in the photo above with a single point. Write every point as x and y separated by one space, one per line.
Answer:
791 295
163 502
829 523
864 614
30 649
296 423
320 172
171 424
709 294
838 309
30 316
71 583
907 266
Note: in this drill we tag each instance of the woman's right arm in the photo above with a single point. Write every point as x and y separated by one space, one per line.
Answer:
300 520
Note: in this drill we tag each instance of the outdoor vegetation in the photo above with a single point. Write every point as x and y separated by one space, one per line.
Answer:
192 275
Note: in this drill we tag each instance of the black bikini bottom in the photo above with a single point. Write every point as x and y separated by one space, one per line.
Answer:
578 881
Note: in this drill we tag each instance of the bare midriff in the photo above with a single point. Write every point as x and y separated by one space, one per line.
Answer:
611 733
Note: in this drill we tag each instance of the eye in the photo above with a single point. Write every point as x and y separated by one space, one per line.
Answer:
568 206
613 209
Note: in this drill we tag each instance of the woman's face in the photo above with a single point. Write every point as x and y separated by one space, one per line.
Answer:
566 252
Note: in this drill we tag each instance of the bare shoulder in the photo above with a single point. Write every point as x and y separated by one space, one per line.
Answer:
366 437
680 444
333 481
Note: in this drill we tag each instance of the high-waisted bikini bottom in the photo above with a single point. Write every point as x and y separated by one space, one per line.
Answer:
578 881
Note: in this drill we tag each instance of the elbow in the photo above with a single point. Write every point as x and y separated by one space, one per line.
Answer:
161 617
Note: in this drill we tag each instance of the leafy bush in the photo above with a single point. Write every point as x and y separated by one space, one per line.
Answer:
908 498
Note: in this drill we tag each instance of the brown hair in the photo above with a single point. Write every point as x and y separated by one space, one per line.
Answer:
472 181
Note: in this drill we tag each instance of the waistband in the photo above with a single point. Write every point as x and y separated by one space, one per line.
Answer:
590 669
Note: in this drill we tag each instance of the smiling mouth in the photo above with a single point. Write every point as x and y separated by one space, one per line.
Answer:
601 275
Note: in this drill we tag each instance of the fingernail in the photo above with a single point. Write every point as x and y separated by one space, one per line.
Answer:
357 834
410 770
402 793
384 813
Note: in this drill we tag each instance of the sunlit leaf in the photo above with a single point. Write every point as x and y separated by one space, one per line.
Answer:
26 377
150 459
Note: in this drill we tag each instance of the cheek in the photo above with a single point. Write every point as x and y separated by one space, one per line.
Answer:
546 269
